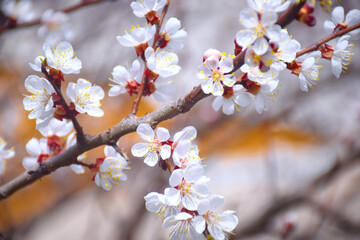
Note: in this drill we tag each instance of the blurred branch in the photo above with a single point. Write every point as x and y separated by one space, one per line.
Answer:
37 21
281 204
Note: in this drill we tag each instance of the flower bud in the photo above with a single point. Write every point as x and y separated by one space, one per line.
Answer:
211 52
152 17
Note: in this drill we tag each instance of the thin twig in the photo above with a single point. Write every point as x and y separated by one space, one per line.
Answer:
136 103
315 46
79 132
37 21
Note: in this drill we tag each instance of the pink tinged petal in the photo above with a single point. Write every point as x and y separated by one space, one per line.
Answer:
30 163
353 17
172 197
78 169
228 107
176 177
329 26
337 15
248 18
193 172
199 224
217 103
228 221
151 159
212 63
336 66
260 46
165 152
145 132
140 149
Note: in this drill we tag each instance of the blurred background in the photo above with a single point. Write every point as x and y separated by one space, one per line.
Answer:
292 172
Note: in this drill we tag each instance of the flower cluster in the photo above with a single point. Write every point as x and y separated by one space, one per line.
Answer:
268 50
53 143
186 205
159 58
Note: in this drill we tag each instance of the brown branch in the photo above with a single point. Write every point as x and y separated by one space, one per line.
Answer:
80 137
336 34
37 21
107 137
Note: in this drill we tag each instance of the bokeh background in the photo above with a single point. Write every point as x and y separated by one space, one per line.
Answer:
290 173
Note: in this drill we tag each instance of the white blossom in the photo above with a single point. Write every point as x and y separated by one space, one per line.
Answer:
274 5
155 145
164 89
155 203
173 35
55 27
212 74
62 57
86 97
228 102
40 103
4 154
255 29
142 7
124 77
182 145
137 36
342 55
339 20
162 62
111 170
57 128
182 227
187 187
309 70
217 224
39 151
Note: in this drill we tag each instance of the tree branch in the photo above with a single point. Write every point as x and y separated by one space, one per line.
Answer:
107 137
37 21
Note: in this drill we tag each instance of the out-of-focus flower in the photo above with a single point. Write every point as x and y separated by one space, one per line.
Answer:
155 203
164 89
155 145
55 27
19 11
273 5
40 103
4 154
57 128
111 169
162 62
85 97
340 21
